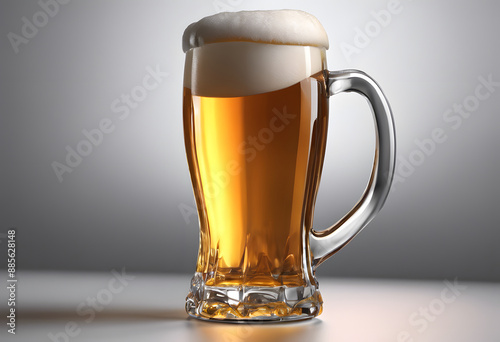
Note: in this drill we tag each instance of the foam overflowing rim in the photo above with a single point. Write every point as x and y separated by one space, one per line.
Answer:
284 27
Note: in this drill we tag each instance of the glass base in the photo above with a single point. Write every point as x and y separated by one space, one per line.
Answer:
252 303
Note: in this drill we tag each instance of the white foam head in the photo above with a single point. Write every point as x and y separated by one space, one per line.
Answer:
291 27
252 52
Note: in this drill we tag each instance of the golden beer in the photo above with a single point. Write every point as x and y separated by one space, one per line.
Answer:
249 160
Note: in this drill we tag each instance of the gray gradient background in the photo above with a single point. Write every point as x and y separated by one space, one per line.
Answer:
120 206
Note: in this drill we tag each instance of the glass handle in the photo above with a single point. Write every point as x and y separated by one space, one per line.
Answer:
324 244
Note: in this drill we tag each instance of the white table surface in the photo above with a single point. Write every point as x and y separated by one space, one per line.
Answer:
151 308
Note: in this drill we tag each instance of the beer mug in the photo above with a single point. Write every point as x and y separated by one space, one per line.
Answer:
255 113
